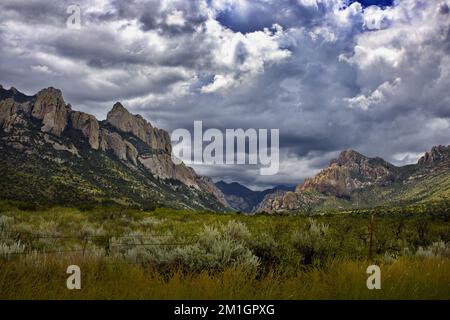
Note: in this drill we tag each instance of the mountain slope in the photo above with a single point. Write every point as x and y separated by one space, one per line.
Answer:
52 154
354 181
244 199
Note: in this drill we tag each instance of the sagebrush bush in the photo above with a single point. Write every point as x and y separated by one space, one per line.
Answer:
8 245
149 222
5 224
11 248
269 251
213 249
89 230
436 249
312 244
236 230
225 248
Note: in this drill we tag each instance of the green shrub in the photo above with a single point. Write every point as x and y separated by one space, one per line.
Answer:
436 249
214 249
312 244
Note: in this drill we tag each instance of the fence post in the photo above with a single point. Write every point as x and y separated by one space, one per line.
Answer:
84 245
371 227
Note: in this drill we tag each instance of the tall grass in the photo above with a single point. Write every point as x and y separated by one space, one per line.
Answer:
45 278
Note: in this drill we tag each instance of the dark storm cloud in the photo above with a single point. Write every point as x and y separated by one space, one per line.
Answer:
328 74
36 11
155 15
263 14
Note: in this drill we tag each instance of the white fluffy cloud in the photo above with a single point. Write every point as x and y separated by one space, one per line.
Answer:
237 57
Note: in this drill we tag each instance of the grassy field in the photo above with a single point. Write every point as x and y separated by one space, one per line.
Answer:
169 254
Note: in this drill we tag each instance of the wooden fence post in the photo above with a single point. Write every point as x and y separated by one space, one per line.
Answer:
371 228
84 245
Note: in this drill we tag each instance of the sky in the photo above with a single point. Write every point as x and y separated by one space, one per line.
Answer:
330 74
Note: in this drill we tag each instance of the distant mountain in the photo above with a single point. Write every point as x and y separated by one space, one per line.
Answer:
51 154
354 180
243 199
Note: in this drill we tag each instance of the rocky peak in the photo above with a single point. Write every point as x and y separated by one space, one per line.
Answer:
118 109
349 156
51 91
121 119
436 155
51 109
350 171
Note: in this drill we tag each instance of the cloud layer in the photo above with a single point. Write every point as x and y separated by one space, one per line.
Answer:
330 74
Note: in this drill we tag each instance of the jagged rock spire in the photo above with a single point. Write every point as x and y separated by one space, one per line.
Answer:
120 118
51 109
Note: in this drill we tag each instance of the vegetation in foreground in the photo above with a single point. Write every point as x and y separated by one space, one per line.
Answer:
406 278
169 254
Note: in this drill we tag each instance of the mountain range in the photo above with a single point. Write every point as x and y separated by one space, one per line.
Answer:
356 181
51 154
243 199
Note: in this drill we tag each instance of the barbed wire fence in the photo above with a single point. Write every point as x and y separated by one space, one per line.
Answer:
106 243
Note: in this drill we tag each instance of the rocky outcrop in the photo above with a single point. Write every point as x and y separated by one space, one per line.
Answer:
88 125
349 172
282 201
271 202
50 108
437 154
12 113
121 119
61 147
162 166
208 185
123 149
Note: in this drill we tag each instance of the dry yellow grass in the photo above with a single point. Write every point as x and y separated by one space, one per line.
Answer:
45 278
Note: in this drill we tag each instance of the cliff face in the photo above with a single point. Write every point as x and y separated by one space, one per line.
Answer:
29 122
349 172
154 138
50 108
88 125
